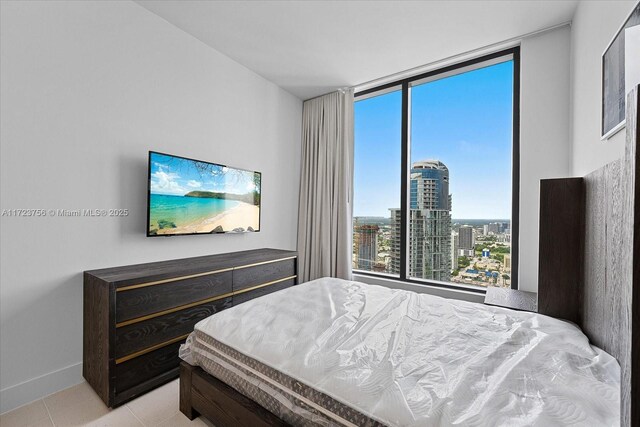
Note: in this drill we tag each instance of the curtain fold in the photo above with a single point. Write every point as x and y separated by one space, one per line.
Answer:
326 187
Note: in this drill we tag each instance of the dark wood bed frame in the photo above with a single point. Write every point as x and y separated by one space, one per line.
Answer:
589 273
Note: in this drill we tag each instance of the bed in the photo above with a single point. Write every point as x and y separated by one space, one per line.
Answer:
336 352
343 353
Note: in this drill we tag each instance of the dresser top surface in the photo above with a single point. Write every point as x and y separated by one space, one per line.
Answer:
186 266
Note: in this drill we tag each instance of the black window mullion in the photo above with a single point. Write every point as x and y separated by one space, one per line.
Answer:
515 178
404 181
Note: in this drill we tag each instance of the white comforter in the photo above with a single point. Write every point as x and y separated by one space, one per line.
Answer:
409 359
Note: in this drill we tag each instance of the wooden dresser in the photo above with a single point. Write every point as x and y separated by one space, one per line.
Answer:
135 317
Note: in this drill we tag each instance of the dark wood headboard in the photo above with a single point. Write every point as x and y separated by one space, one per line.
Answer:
589 266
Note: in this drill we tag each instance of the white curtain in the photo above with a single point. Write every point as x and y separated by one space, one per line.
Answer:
326 187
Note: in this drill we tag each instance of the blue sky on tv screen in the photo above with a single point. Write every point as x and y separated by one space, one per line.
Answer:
177 176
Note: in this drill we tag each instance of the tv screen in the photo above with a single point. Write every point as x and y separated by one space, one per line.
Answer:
189 196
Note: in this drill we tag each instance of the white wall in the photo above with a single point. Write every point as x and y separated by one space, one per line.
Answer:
594 25
87 89
544 134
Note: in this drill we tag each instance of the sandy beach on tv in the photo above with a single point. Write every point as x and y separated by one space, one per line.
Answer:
242 216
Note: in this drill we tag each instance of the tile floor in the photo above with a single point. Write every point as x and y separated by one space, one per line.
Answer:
81 406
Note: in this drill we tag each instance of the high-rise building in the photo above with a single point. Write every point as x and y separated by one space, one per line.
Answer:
507 263
454 250
366 240
466 237
429 246
396 230
494 228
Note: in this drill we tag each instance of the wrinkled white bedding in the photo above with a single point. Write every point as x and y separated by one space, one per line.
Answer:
409 359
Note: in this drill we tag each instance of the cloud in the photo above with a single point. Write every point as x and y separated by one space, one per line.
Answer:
165 183
161 166
194 184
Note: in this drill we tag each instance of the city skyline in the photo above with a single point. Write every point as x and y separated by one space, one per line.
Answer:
460 166
478 153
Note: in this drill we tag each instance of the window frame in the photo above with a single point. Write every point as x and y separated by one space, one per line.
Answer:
405 84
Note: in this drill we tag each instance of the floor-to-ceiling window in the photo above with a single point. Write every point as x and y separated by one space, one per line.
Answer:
436 175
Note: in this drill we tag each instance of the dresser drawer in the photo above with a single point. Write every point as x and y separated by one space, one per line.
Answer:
141 335
147 366
138 302
247 277
249 295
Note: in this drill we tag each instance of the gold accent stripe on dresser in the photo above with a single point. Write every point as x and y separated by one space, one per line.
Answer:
173 279
150 349
193 304
172 310
263 285
206 273
182 307
264 262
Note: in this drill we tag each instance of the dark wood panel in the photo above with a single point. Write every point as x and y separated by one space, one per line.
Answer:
561 240
146 367
610 294
95 340
630 265
224 406
259 274
132 274
144 387
186 377
138 336
613 294
593 292
152 299
249 295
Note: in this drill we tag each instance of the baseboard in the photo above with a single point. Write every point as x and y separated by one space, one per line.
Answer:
39 387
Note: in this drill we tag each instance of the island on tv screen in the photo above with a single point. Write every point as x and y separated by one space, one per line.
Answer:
191 197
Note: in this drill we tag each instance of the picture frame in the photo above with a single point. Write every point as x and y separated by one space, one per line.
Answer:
613 82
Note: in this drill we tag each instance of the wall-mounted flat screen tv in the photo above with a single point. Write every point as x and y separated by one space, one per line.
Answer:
188 196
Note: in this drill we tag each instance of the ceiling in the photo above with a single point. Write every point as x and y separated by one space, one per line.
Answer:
313 47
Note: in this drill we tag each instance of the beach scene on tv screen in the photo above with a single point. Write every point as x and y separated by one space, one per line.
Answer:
189 197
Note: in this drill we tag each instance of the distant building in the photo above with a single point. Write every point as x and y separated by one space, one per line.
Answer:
504 238
429 246
486 253
366 237
507 263
496 228
394 262
466 252
466 237
454 250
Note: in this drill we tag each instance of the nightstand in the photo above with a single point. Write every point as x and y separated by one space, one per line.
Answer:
511 298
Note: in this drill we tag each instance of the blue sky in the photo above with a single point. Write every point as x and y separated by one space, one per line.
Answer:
176 176
464 120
